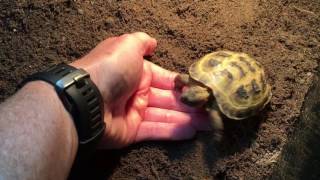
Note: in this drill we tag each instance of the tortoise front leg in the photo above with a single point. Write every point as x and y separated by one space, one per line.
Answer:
216 123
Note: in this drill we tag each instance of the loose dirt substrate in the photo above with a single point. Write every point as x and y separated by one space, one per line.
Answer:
281 34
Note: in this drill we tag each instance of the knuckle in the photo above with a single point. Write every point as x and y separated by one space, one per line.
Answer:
141 34
125 36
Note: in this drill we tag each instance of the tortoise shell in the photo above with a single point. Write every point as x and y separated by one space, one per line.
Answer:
237 81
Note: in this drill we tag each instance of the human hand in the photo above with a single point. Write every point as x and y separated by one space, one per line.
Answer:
140 100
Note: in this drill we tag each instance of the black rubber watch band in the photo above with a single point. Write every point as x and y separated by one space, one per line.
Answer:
80 97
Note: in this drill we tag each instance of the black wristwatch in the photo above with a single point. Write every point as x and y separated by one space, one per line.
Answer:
81 99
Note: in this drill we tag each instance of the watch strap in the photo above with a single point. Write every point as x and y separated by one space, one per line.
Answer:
80 97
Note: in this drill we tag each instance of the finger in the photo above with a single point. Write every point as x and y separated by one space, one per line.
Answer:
164 131
168 99
162 78
145 44
198 121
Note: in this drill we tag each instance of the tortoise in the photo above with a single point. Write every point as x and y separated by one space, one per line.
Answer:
231 83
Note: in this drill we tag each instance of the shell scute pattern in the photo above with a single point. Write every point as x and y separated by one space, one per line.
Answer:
237 81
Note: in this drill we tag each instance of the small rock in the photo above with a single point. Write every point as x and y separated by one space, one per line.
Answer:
109 22
80 11
301 81
312 43
275 142
309 74
282 39
192 178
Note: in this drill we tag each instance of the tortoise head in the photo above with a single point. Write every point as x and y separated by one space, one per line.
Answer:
195 96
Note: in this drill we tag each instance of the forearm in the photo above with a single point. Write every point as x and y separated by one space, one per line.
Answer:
38 139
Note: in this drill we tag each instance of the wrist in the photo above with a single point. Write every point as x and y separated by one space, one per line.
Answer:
91 68
46 92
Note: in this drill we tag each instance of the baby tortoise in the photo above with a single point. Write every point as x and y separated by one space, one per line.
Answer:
228 82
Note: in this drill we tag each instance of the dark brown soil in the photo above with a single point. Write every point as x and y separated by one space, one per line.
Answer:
300 157
283 35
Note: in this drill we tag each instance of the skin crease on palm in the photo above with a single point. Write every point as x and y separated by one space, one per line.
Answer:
140 99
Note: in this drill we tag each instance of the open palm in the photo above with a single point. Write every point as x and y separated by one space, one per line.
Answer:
140 100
